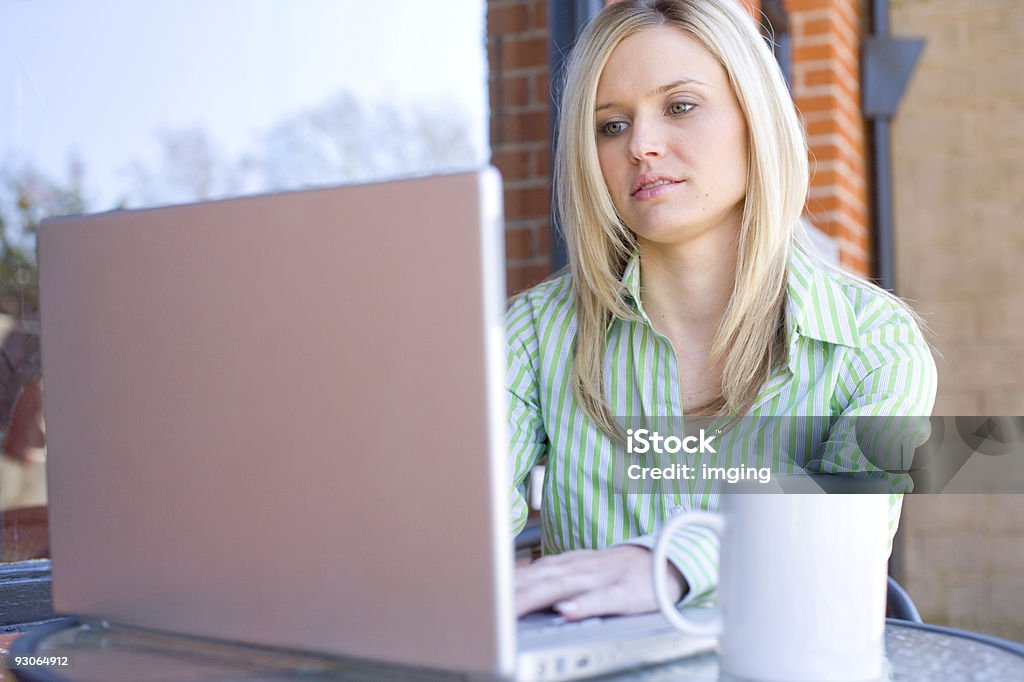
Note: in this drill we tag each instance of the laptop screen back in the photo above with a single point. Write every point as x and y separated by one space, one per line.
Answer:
280 419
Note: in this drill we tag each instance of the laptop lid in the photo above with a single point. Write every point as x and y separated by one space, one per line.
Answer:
280 419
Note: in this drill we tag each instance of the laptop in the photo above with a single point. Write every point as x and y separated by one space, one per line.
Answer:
281 420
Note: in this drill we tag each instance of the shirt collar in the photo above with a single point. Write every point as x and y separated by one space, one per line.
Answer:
816 306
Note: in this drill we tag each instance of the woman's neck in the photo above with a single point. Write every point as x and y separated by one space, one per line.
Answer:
685 288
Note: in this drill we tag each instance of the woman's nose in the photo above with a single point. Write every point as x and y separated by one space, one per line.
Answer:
646 141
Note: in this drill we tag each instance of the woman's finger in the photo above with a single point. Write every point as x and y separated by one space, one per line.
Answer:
608 600
541 588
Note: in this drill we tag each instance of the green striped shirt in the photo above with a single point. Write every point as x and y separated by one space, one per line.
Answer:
853 352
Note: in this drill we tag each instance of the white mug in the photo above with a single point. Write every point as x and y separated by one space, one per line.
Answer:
802 584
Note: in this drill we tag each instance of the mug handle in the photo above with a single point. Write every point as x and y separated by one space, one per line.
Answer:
715 522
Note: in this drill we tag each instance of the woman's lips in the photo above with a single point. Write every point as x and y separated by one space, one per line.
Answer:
646 193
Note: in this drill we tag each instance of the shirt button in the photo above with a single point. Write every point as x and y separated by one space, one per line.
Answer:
677 510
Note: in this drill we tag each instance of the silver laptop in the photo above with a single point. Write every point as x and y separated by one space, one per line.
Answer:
281 420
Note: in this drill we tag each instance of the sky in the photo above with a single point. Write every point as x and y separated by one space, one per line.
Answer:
103 77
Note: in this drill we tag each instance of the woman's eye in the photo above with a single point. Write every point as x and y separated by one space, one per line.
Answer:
612 128
680 107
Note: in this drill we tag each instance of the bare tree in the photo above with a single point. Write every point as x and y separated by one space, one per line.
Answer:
190 169
27 196
349 139
346 139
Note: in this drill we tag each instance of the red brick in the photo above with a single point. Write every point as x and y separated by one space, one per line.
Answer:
821 206
544 240
514 165
828 219
854 262
514 91
508 19
831 178
825 126
832 126
815 216
816 27
794 6
527 203
518 244
806 53
850 26
824 152
539 13
850 69
519 277
819 103
830 181
542 162
820 77
493 131
524 127
754 7
495 46
493 86
858 236
524 53
542 89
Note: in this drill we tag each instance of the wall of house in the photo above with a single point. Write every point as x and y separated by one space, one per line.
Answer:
958 168
517 51
826 89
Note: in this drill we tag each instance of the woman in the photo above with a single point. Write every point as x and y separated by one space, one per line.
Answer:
681 175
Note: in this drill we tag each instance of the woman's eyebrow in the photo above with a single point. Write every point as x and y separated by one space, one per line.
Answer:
661 90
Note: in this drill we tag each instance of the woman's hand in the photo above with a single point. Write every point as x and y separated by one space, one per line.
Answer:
587 582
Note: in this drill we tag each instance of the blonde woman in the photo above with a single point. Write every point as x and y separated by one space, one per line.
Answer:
681 175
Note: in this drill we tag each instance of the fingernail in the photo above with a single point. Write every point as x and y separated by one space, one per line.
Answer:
565 606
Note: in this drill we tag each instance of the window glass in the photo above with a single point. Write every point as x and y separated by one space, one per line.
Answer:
119 103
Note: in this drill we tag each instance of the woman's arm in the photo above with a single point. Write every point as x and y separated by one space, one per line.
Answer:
527 437
885 394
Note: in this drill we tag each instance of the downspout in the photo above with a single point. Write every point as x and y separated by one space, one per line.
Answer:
886 66
883 170
566 18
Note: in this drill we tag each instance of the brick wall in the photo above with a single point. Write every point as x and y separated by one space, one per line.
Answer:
826 37
519 86
958 164
517 53
754 7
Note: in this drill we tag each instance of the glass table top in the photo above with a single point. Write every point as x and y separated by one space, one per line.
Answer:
100 651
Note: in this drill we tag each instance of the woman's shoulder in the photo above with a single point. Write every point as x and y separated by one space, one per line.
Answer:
867 306
552 297
887 364
533 310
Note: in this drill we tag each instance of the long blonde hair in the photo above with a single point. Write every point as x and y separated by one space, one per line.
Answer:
751 339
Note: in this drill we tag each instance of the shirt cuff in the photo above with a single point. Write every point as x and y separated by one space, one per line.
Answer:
693 550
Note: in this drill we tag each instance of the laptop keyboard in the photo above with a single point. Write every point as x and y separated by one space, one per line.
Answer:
548 622
538 627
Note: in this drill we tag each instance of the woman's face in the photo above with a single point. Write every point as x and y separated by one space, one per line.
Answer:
671 138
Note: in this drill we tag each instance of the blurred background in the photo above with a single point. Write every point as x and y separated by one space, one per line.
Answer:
914 111
108 104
